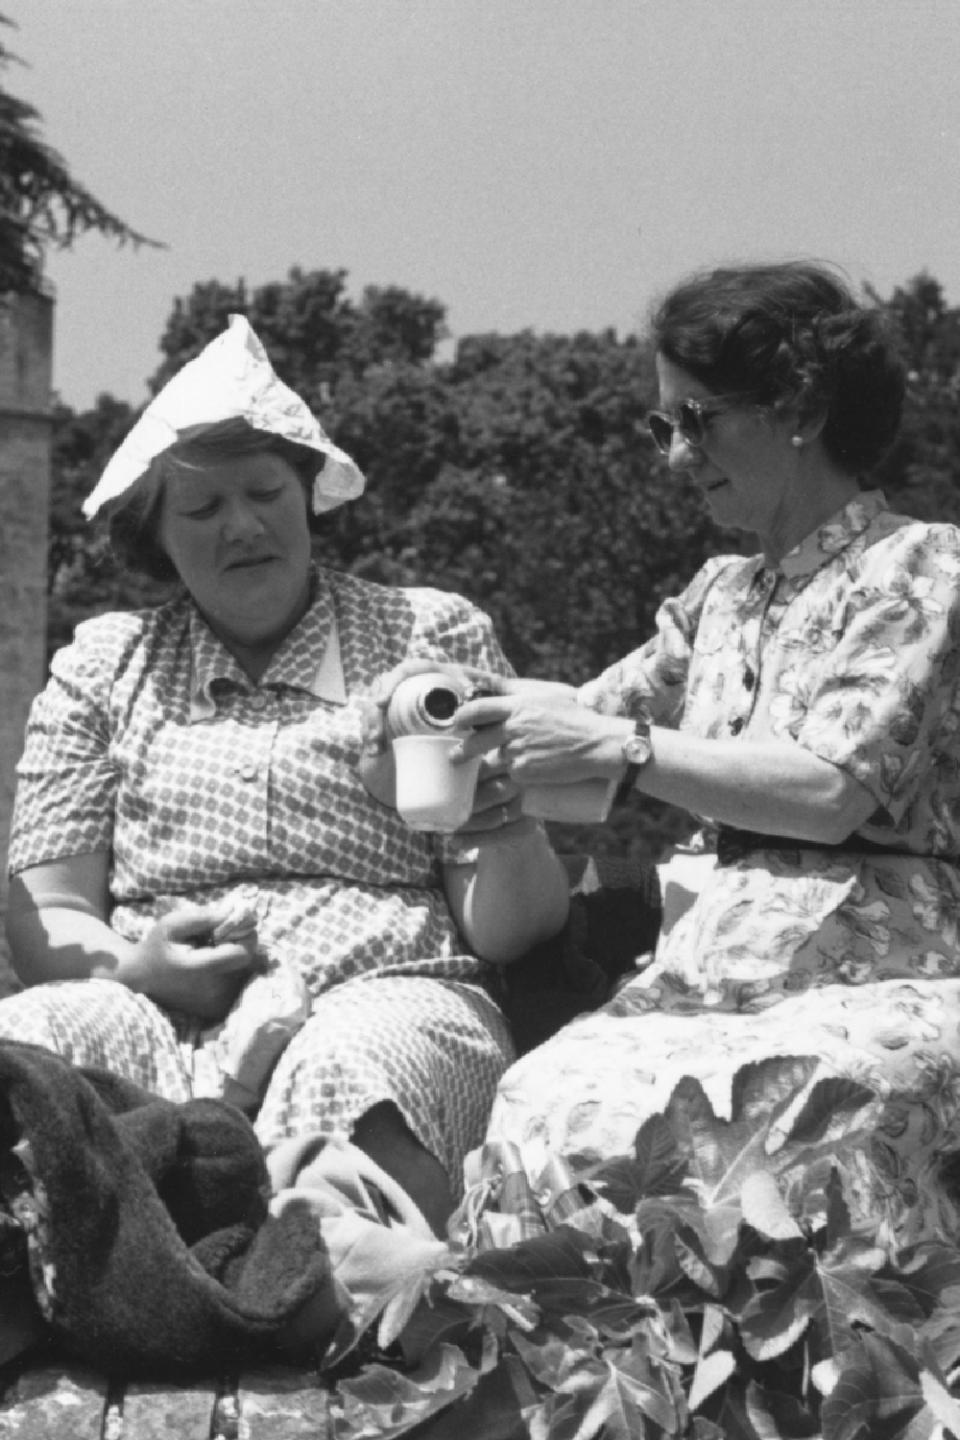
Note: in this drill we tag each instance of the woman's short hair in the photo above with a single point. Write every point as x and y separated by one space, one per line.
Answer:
791 334
133 519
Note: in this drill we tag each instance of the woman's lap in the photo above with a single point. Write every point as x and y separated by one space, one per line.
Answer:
434 1048
99 1023
588 1089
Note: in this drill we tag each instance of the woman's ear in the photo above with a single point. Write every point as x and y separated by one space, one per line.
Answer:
809 425
806 415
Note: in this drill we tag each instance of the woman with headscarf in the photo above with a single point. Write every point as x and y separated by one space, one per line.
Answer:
201 884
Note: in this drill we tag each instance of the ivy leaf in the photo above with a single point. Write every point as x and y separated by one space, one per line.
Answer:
775 1415
714 1223
436 1322
381 1403
832 1294
656 1167
941 1331
774 1319
610 1400
931 1273
399 1309
614 1313
732 1415
922 1289
559 1417
658 1159
696 1267
655 1269
828 1111
478 1291
944 1406
713 1329
837 1211
764 1208
765 1085
550 1358
557 1254
681 1347
557 1272
883 1390
712 1371
654 1386
719 1153
494 1408
706 1430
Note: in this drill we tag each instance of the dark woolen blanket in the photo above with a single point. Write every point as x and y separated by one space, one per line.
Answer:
159 1254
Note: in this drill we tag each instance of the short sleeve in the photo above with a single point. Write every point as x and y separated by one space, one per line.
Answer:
454 629
450 627
877 708
651 682
66 781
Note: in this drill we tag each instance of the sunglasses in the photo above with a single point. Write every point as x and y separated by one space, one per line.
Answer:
691 418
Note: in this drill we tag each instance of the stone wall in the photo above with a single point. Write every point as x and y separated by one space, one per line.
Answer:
26 344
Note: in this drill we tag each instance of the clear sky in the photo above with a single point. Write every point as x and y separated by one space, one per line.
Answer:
551 164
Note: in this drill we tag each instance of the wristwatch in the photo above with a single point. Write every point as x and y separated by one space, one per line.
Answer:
637 749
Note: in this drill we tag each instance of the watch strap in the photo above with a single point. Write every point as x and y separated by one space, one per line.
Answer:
627 783
641 727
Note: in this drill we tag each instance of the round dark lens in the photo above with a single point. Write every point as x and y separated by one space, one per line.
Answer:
690 422
661 430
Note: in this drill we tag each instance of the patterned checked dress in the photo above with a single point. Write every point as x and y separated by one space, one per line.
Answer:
150 742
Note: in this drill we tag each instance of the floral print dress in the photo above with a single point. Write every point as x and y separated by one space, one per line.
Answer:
849 647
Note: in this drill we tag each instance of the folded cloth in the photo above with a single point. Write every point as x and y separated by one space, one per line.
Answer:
236 1058
150 1245
382 1250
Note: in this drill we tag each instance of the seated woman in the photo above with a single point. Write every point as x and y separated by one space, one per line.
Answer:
804 700
189 816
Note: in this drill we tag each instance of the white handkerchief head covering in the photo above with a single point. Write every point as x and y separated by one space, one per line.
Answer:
232 379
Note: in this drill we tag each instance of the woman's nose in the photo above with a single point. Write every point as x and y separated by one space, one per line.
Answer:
682 454
241 521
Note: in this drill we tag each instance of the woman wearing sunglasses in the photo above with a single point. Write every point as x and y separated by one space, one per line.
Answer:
805 703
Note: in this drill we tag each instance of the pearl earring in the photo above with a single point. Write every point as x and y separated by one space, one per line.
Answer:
796 441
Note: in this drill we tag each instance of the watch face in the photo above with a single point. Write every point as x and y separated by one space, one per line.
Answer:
637 749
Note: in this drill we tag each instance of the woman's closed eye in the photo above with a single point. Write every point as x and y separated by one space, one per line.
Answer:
200 512
210 507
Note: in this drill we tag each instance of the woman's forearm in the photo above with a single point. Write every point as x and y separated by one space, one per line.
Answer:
54 942
515 895
775 786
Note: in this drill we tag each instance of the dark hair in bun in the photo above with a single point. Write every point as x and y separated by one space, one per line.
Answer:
786 335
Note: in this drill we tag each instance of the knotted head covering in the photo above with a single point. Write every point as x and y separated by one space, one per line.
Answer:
232 379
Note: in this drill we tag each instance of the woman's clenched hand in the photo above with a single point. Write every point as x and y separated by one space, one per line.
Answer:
181 964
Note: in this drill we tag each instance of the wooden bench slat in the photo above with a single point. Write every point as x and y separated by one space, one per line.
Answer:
54 1402
282 1405
154 1411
